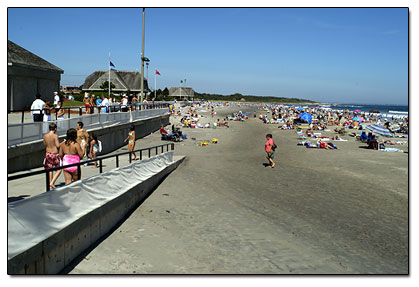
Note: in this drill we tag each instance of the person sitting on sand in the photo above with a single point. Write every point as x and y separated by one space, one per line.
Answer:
372 143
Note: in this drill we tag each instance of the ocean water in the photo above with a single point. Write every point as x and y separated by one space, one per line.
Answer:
398 110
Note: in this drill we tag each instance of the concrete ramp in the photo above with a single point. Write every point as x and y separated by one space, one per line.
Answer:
48 231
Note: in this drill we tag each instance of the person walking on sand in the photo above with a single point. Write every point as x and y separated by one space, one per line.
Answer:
270 150
52 158
71 152
131 140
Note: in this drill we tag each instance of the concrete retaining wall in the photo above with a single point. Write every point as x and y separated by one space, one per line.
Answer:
31 155
56 252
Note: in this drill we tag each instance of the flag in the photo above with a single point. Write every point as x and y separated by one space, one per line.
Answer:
157 72
112 65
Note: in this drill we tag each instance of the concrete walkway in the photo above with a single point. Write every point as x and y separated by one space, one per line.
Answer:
34 185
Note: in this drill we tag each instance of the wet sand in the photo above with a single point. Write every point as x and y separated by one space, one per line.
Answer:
222 211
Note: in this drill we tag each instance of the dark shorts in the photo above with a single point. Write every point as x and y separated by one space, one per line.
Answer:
271 154
38 117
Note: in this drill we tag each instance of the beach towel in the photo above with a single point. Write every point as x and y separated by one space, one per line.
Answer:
391 149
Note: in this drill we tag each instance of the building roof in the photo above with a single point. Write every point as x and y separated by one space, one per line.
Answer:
181 91
18 56
123 81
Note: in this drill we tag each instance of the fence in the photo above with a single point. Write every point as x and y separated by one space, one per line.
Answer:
98 159
27 132
68 111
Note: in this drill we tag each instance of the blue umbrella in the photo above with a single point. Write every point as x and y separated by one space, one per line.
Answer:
306 117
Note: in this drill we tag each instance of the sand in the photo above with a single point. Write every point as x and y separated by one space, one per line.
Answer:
222 211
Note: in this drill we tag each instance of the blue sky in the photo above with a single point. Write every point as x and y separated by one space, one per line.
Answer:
337 55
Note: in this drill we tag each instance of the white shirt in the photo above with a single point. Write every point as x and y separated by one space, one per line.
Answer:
38 104
105 102
56 99
124 102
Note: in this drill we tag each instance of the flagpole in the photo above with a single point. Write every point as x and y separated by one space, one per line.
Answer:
155 84
109 81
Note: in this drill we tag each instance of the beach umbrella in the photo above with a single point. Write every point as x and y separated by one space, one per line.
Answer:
379 129
307 117
357 111
300 108
357 119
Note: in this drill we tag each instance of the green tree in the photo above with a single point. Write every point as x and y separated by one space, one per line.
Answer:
165 92
105 85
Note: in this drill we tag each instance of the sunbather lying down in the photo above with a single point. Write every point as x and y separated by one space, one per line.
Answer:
338 138
394 142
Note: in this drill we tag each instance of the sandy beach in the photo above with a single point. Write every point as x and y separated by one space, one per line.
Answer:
222 211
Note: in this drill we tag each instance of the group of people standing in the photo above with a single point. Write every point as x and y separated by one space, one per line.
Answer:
41 111
70 151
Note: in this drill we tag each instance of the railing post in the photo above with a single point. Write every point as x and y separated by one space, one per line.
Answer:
156 150
47 180
173 146
141 154
130 157
117 161
68 113
100 166
80 111
78 172
149 152
162 148
23 116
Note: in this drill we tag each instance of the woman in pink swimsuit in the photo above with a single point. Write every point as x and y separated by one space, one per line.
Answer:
270 150
71 152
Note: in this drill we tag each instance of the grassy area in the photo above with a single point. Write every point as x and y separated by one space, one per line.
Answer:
72 104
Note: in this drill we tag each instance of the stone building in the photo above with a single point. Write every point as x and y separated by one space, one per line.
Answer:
182 93
27 75
128 82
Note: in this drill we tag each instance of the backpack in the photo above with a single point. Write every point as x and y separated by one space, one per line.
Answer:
274 147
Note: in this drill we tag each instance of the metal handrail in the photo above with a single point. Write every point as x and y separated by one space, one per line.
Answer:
100 159
80 108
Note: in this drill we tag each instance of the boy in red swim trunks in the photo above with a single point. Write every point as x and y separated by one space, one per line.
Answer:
52 158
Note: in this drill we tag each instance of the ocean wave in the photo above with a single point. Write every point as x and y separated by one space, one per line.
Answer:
398 112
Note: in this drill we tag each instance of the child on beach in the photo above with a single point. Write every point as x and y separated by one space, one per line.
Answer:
131 140
270 150
94 147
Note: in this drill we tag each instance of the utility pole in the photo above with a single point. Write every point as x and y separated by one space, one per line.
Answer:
142 65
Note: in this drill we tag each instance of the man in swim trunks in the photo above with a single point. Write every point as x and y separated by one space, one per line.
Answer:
52 158
82 135
86 102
